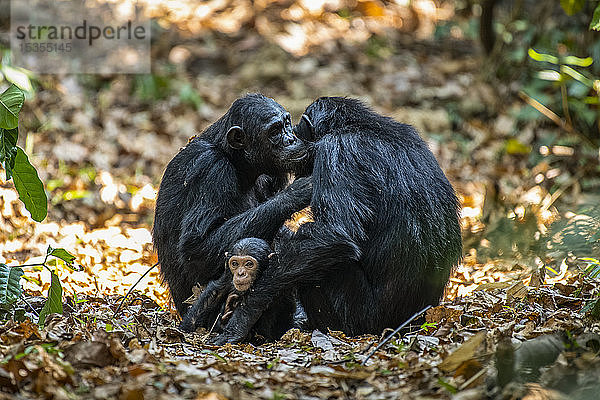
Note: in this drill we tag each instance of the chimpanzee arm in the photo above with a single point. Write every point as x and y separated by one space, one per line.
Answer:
303 260
206 235
206 308
267 186
342 202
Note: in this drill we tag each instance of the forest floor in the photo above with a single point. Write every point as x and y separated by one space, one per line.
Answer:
100 144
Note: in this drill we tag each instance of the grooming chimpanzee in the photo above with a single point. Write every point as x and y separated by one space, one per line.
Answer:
245 262
217 190
385 235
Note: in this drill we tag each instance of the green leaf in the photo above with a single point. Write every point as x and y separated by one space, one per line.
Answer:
595 24
54 302
10 287
513 146
576 75
64 255
29 186
542 57
8 149
549 75
572 6
578 61
18 76
11 102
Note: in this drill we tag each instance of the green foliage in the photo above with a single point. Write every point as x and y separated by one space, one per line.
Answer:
14 160
8 149
30 187
595 24
64 255
579 95
10 287
149 87
593 268
448 386
572 6
578 235
11 102
16 76
54 302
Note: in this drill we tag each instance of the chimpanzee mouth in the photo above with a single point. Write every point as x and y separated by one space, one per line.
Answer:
242 287
301 158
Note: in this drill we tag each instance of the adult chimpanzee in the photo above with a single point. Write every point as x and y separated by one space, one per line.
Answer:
385 234
211 195
245 262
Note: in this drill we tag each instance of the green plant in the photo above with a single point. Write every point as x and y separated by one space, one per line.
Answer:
578 92
11 290
574 6
15 75
14 160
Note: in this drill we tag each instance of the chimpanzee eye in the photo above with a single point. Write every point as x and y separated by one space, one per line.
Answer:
234 264
275 128
249 264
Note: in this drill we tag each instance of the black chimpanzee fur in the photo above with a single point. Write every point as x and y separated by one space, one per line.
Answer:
385 235
217 190
275 321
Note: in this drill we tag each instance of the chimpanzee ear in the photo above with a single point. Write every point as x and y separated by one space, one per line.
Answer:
236 137
271 255
305 129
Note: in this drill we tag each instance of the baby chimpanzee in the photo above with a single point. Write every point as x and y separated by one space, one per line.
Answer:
245 262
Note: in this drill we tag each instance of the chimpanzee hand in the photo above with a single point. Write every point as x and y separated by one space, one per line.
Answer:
301 191
203 312
237 329
247 314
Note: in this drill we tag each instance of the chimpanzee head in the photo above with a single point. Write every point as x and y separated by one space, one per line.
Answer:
329 114
260 130
246 259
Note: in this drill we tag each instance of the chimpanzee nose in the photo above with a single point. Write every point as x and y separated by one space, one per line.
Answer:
289 140
242 274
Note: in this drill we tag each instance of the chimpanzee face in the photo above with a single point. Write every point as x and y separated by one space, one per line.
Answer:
324 115
305 129
244 270
265 135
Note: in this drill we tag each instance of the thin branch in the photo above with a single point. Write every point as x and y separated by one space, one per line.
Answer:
26 265
387 339
30 306
553 117
131 289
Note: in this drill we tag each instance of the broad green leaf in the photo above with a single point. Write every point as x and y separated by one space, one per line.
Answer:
578 61
18 77
11 102
54 302
542 57
30 187
10 287
572 6
595 24
64 255
8 149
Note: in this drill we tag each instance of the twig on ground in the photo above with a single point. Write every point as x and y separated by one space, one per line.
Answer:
131 290
387 339
30 306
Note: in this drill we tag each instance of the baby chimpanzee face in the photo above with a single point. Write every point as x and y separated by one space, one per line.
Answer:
244 270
